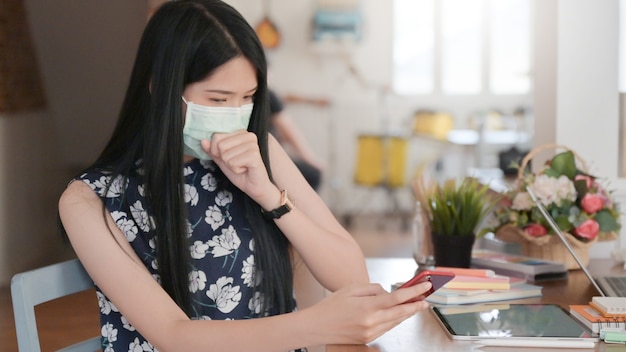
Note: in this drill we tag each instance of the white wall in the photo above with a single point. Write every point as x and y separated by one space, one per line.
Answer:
354 78
580 98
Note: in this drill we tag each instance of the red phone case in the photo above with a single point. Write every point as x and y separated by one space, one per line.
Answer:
437 279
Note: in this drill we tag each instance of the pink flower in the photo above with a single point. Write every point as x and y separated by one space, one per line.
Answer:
591 203
588 229
535 230
588 180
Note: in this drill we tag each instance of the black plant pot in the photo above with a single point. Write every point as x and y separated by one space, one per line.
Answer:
453 251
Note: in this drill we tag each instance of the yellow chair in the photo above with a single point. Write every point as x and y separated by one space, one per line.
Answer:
369 160
381 164
381 161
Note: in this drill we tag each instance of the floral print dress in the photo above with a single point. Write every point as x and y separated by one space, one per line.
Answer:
221 273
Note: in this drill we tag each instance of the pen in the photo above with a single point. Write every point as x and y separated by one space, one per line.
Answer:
537 343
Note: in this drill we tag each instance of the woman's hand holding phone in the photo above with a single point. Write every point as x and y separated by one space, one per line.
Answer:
436 278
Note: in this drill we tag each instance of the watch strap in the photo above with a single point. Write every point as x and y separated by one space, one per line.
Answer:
286 206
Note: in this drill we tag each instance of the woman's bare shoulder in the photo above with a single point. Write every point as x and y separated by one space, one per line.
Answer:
77 200
78 191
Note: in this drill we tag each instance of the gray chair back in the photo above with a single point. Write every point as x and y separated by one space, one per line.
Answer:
31 288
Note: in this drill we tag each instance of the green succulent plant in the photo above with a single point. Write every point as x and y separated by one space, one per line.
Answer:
456 207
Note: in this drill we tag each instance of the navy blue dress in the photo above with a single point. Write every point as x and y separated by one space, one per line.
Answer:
222 271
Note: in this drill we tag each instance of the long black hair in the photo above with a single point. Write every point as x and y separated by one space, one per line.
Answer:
183 43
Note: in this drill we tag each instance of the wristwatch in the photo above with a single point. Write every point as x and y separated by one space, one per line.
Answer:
286 206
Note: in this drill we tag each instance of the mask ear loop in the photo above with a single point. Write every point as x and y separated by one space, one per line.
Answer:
185 100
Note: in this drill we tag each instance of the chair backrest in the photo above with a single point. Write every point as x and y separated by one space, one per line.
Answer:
37 286
381 160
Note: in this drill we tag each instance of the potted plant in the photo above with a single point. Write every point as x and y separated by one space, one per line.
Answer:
455 210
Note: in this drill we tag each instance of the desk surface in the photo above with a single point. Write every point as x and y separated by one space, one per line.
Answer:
423 333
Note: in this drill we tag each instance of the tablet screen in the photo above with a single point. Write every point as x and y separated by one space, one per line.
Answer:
509 320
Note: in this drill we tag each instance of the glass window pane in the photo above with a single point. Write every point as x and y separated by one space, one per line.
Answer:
413 47
461 46
510 46
622 46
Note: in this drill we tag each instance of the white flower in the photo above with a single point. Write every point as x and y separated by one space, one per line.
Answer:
109 332
152 243
226 243
209 182
550 190
116 188
106 306
187 171
198 249
225 296
214 217
248 273
197 280
224 198
141 216
191 195
137 346
522 201
255 303
565 189
148 347
100 186
126 324
127 226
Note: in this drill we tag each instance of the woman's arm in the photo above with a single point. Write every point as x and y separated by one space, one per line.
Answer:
355 314
330 252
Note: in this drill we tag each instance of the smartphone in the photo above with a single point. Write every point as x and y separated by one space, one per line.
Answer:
436 278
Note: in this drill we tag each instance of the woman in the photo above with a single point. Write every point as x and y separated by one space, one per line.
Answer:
184 222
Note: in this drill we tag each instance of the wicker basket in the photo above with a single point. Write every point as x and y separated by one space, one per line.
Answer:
548 247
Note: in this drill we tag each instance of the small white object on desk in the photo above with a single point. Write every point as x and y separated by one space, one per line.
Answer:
506 342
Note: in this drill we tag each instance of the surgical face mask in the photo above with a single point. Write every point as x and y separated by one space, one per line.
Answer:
201 122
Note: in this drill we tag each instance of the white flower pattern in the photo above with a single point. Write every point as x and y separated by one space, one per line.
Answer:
222 275
226 243
197 280
198 249
224 294
141 216
126 225
214 217
191 195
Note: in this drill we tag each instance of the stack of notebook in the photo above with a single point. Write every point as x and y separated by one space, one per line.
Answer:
601 312
480 286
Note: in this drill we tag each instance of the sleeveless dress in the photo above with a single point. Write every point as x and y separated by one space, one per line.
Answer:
221 272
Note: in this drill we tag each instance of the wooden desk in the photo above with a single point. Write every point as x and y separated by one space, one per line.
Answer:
423 333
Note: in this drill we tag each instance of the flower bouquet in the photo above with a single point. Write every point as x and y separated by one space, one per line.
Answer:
581 206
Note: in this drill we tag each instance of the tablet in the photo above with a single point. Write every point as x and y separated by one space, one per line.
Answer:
513 322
